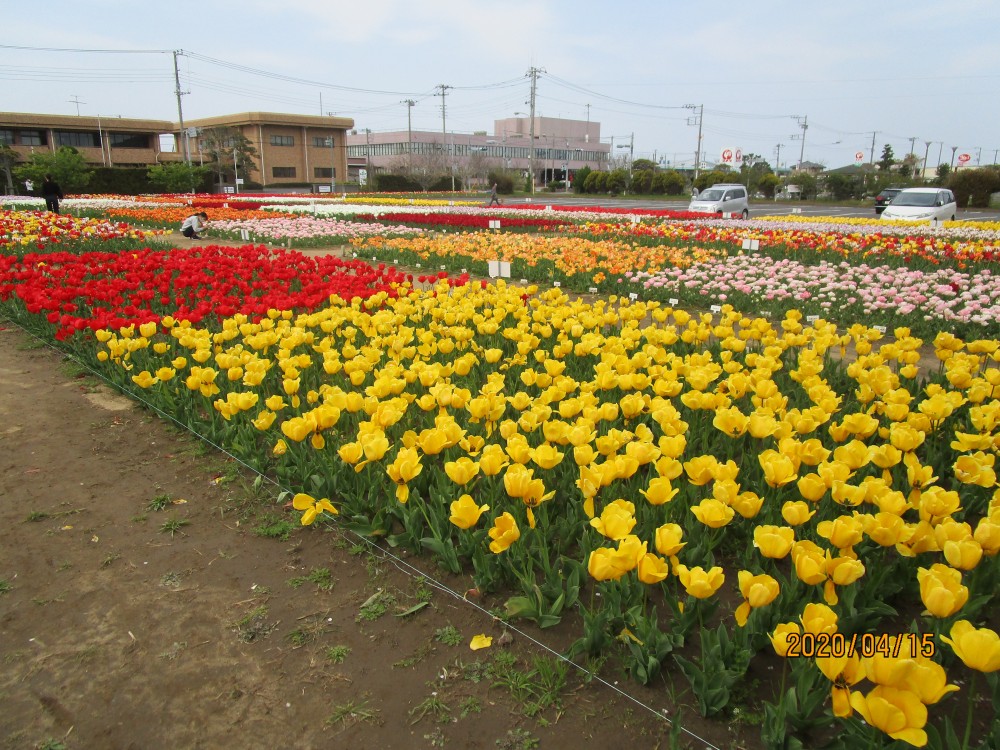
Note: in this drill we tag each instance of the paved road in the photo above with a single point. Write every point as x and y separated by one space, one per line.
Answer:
757 209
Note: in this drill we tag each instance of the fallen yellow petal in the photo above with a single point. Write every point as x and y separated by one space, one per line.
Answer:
179 501
67 527
481 641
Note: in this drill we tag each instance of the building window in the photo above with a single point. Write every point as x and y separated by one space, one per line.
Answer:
7 137
320 141
323 172
32 138
75 138
282 171
128 140
282 140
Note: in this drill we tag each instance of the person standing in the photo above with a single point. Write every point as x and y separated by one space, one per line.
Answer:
194 224
493 197
28 186
52 194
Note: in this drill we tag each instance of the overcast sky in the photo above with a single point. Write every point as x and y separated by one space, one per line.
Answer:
928 69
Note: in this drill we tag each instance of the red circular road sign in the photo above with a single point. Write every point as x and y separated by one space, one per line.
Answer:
859 156
727 156
962 158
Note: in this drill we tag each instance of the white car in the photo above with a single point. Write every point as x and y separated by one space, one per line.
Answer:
922 204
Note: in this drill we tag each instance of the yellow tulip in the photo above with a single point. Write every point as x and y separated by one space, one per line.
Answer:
668 539
465 513
403 469
492 460
810 562
144 379
818 618
758 591
941 590
898 713
773 541
604 564
616 520
747 504
843 532
546 456
713 513
780 637
979 649
700 583
796 512
659 491
461 471
652 569
504 533
844 672
779 469
311 507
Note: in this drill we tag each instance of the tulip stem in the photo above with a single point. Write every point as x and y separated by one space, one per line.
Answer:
968 717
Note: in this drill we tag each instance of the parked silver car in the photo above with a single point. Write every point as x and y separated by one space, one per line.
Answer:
726 199
922 204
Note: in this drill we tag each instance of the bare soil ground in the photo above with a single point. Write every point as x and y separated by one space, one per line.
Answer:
142 605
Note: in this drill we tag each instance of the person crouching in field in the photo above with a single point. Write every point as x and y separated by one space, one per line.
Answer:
194 224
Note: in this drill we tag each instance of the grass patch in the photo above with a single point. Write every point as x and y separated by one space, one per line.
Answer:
159 502
536 688
5 586
448 635
353 712
418 656
319 576
375 606
174 525
337 654
273 526
432 706
254 626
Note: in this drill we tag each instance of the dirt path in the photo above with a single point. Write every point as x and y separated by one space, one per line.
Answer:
117 633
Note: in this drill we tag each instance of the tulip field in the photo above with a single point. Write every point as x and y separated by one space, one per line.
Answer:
702 447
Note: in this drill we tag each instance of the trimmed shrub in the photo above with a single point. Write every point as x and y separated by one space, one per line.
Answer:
974 187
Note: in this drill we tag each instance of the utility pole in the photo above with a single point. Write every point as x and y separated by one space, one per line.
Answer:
777 157
979 155
911 154
701 119
586 134
927 150
953 150
871 158
631 153
804 124
409 131
940 149
533 74
180 109
444 133
76 100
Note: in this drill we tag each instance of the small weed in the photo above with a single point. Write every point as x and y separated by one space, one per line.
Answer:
174 651
159 502
73 369
431 706
37 515
418 656
171 579
357 549
254 625
375 606
174 525
436 738
320 576
353 711
517 739
337 654
140 518
51 745
31 345
110 558
299 637
273 526
537 688
475 672
42 602
470 705
5 586
64 566
448 635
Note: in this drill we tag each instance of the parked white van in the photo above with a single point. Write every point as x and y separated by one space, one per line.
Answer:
722 199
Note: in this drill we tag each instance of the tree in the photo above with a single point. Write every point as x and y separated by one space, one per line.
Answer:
643 165
580 179
768 184
843 186
8 158
975 187
670 182
753 168
177 177
806 182
707 179
641 182
426 169
616 181
225 148
943 170
887 160
66 166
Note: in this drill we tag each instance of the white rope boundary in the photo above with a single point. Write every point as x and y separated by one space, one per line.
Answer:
401 564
